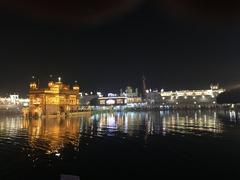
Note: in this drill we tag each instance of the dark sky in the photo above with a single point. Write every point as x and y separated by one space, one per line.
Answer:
106 45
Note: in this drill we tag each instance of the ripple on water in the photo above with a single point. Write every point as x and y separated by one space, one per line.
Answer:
46 136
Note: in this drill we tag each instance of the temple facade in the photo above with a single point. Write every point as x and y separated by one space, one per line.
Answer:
57 99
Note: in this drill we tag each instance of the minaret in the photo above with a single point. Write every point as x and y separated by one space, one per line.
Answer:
33 84
51 77
144 87
50 82
136 91
121 92
76 87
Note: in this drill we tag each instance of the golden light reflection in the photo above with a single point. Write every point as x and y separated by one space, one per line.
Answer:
48 135
52 135
55 133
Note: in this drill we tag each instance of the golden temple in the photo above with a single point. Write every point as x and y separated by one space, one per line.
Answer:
57 99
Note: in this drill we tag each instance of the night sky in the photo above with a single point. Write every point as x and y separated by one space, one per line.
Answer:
107 45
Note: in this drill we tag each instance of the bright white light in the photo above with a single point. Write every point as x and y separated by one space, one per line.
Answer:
111 95
25 104
110 102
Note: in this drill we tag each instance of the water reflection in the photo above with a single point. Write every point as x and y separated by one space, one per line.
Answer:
162 122
48 135
194 123
52 135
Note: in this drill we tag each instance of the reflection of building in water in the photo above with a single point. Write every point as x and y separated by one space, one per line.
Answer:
55 133
191 123
185 98
162 122
57 98
47 135
52 135
128 123
11 125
